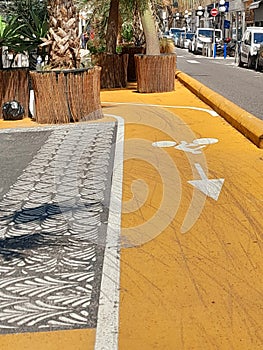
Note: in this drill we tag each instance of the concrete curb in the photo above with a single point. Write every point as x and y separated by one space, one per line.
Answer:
246 123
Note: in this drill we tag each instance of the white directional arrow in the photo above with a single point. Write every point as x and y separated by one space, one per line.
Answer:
210 187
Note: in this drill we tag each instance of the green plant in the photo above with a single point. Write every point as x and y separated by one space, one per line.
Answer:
34 32
118 49
95 46
127 32
10 36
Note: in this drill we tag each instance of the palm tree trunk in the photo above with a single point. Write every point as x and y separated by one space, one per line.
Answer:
1 58
63 34
112 27
149 28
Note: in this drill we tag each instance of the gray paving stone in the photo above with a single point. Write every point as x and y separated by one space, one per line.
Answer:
52 229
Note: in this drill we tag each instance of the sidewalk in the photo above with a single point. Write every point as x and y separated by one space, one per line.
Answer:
191 232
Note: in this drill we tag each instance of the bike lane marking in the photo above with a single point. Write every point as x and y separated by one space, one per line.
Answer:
174 285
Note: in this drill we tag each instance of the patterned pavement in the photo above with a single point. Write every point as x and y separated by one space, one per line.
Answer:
53 222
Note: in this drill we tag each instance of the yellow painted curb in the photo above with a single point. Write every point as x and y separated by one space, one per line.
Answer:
246 123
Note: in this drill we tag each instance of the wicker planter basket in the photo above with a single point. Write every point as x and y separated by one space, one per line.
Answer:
131 51
114 69
67 95
155 73
15 86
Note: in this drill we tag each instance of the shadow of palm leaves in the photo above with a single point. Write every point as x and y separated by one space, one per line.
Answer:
17 246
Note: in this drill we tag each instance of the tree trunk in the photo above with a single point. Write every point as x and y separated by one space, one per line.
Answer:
151 36
112 27
1 58
63 34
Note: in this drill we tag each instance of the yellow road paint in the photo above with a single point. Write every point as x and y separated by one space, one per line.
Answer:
23 123
202 289
83 339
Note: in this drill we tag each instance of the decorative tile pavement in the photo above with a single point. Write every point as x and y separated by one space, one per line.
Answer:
53 224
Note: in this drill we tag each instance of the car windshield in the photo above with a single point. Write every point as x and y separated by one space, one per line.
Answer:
258 38
205 33
189 35
176 31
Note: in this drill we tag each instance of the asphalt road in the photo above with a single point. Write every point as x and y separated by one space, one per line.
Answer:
240 85
17 150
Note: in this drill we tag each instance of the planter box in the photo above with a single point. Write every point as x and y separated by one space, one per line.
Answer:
114 69
15 86
131 51
67 95
155 73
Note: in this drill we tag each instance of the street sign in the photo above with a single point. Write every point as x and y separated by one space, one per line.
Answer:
214 12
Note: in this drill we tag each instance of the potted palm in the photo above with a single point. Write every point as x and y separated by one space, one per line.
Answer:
155 70
63 91
114 64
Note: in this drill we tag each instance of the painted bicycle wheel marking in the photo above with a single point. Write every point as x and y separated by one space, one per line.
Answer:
210 187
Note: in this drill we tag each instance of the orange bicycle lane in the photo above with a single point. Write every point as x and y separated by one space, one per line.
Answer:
191 258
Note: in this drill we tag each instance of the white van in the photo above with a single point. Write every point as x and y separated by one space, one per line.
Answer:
204 36
175 34
249 46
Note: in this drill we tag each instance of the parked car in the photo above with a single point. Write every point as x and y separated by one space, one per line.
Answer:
174 33
167 35
205 36
191 44
249 46
187 39
180 42
259 58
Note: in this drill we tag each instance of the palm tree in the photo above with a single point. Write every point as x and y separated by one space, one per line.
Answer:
149 27
63 36
129 6
112 27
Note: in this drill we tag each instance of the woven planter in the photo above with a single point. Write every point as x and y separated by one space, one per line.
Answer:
131 51
155 73
67 95
114 69
15 86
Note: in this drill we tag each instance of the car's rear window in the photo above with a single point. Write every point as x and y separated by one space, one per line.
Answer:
258 38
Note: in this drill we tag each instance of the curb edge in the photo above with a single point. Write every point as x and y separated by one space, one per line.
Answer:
247 124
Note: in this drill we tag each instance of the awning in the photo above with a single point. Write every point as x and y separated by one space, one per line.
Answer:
255 5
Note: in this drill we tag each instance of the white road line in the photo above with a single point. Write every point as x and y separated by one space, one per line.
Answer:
107 332
209 111
192 61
